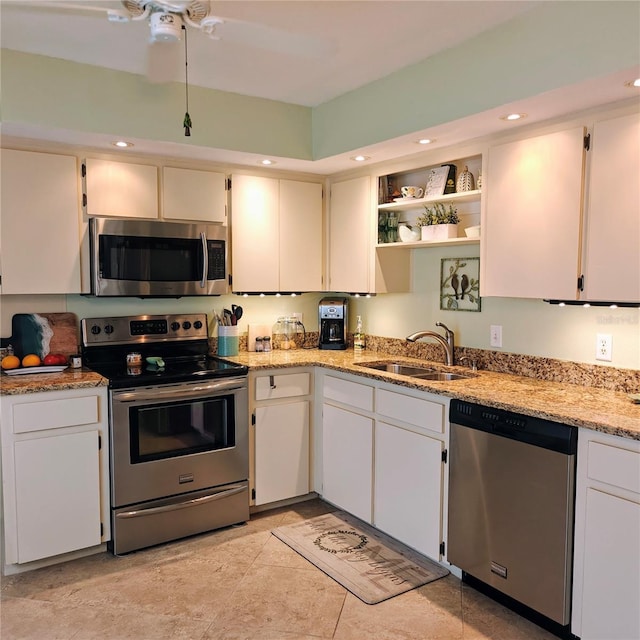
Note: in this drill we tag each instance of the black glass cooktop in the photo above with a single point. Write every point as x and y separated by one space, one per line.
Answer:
121 375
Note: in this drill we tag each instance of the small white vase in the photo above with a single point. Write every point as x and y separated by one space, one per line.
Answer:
439 232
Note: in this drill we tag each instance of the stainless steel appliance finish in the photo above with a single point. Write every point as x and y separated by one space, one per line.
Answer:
146 258
178 432
511 504
333 323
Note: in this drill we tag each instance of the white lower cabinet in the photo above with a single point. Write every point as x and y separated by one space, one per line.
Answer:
408 487
606 582
383 462
55 475
57 482
347 455
281 456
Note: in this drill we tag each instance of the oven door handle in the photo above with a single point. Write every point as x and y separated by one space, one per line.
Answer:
180 393
194 502
205 260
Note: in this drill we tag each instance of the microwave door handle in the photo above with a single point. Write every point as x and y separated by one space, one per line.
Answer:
205 260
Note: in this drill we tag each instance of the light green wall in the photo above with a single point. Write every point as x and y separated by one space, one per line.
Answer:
530 327
554 45
67 95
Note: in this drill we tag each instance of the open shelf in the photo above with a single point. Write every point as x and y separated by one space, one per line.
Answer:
418 244
463 196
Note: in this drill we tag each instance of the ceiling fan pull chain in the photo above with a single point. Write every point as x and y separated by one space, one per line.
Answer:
186 123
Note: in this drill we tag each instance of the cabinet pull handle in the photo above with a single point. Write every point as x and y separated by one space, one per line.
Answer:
272 382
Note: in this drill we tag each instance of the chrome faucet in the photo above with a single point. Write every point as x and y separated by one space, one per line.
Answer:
446 342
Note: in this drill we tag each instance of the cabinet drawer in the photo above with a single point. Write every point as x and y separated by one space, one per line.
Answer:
351 393
415 411
282 386
54 414
615 466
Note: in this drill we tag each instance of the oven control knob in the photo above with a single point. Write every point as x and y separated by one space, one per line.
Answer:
197 324
108 329
175 326
95 329
186 325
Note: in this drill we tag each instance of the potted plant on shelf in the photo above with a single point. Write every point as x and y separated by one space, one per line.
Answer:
438 222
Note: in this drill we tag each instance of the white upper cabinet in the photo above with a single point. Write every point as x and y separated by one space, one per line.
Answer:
301 244
39 223
533 213
276 235
189 194
350 243
120 189
612 260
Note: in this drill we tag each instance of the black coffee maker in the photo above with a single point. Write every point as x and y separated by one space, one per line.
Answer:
332 320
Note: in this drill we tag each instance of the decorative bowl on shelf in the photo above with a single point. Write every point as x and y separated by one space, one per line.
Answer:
472 232
407 234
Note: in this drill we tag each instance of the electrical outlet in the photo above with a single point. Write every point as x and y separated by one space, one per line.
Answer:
603 346
297 316
495 335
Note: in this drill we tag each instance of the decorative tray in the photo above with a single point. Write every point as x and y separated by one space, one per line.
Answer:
52 368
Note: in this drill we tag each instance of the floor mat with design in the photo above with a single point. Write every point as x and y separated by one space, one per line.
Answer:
370 564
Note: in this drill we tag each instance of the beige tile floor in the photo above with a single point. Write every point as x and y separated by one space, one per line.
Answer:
239 583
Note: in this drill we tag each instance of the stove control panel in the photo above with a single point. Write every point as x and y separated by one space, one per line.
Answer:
143 329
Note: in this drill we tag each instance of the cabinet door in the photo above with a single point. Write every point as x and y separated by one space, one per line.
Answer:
533 211
39 226
300 236
190 194
611 589
350 244
57 483
121 189
408 488
612 268
255 244
282 451
347 460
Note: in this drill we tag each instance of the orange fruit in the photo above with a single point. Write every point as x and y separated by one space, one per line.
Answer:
10 362
31 360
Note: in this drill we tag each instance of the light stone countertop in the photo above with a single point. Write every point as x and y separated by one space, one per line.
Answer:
35 382
581 406
590 407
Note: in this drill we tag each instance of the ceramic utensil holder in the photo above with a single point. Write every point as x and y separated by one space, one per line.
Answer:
228 341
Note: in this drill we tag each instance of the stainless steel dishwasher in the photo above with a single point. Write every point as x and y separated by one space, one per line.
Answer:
511 502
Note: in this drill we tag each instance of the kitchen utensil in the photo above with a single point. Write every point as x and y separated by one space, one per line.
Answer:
227 315
237 311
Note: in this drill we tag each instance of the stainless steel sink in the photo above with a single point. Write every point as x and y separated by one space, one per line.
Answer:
440 375
412 371
397 367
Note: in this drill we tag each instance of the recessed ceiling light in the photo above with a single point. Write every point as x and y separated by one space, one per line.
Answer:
513 116
123 144
633 84
359 158
425 140
266 162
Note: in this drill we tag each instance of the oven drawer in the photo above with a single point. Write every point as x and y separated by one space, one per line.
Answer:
158 521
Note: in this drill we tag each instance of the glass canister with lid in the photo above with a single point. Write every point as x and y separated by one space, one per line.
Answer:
286 333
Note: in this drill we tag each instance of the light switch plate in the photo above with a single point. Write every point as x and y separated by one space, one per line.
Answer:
604 347
495 335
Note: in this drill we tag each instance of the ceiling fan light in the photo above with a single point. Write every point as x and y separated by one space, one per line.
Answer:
165 27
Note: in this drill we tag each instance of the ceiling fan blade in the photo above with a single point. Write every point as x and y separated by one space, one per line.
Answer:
113 10
164 61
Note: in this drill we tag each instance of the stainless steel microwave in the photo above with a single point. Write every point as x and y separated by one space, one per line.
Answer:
157 259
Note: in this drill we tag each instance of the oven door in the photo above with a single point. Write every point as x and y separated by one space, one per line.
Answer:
177 438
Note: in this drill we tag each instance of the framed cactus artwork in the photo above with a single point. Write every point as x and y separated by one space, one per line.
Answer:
460 284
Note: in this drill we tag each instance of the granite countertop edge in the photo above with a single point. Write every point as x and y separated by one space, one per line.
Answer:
592 408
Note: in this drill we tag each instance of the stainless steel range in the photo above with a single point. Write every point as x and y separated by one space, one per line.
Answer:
178 428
